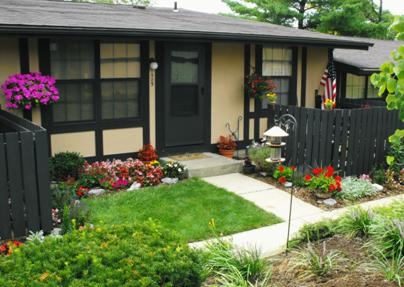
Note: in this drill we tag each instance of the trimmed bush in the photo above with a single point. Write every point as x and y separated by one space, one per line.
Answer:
355 188
64 165
136 255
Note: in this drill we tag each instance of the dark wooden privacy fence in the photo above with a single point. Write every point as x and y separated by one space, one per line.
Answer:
25 201
353 141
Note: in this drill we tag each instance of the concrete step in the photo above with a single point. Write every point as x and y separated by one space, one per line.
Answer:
208 164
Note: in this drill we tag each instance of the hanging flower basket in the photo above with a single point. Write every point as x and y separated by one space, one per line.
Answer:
259 88
24 91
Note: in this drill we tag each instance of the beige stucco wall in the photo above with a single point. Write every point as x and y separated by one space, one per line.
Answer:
81 142
9 62
122 140
227 88
316 63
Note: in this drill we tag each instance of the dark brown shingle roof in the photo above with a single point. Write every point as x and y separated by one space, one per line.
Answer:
368 61
44 16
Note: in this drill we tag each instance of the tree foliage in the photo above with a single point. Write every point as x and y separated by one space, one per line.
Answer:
338 17
390 80
126 2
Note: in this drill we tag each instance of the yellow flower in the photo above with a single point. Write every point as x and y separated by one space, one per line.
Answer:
43 276
271 97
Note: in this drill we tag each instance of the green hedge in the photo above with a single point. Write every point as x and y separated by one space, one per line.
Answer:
137 255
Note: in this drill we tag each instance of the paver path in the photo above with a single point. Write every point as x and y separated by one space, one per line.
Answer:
272 239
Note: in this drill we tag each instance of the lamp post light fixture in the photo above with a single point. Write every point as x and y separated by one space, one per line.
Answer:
275 135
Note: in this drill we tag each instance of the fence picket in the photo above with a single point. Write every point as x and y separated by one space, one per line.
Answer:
5 224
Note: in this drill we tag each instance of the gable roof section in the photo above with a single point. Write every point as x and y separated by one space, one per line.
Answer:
58 17
367 61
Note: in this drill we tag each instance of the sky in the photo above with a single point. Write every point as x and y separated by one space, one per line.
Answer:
396 7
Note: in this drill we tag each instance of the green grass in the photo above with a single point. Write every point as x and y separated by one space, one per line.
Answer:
186 207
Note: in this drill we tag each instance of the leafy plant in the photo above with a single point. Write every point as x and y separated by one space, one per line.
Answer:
284 173
174 170
314 232
132 255
259 87
240 267
37 237
89 180
62 195
379 175
64 165
357 222
391 268
388 236
323 180
226 143
355 188
395 157
147 153
318 263
259 155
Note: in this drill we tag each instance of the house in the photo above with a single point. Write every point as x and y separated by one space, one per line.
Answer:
354 68
113 102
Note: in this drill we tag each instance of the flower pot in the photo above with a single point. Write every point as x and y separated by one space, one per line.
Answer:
226 152
323 195
249 169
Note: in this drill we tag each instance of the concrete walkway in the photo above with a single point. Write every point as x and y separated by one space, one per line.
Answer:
272 239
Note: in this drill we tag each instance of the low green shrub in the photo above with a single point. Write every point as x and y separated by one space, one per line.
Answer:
355 188
357 222
379 175
316 263
62 195
174 170
136 255
313 232
64 165
391 268
258 155
394 210
388 237
235 267
89 180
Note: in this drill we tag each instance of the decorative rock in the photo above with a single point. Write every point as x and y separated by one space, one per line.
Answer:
330 202
96 191
288 184
169 180
377 187
134 186
263 173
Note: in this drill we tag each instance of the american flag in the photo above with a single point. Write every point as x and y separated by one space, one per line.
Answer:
329 81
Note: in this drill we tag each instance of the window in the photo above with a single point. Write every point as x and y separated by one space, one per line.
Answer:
120 74
277 64
73 64
359 87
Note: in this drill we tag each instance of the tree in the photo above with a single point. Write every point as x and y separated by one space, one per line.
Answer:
390 80
338 17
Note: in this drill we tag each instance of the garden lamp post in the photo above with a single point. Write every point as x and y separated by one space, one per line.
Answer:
286 123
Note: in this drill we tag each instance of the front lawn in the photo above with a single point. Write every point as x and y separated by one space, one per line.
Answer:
186 207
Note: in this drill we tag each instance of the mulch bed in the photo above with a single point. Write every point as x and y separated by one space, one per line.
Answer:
307 196
352 272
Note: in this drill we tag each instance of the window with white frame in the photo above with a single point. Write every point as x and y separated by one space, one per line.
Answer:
359 87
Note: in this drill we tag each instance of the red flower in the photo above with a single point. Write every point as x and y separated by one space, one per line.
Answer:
307 177
17 243
282 180
317 170
293 167
281 168
332 187
329 172
337 178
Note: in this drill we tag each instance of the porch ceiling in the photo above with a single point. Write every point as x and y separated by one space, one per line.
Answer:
59 17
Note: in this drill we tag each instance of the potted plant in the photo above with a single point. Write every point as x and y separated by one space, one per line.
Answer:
248 167
226 146
147 154
24 91
322 182
259 88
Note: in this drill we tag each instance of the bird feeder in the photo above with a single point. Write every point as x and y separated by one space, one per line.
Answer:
275 143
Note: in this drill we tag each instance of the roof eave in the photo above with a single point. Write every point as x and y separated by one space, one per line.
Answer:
76 31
